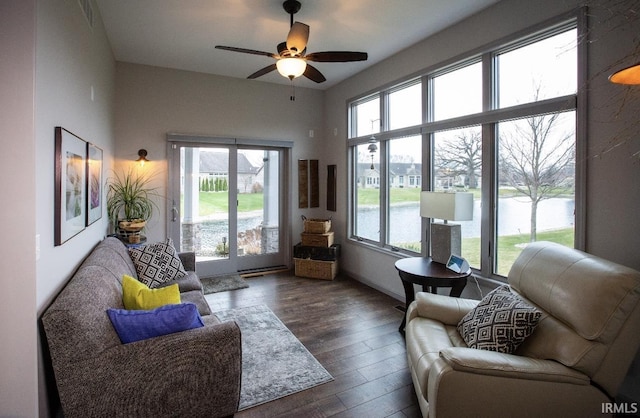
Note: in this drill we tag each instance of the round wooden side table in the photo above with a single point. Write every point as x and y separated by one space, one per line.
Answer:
430 275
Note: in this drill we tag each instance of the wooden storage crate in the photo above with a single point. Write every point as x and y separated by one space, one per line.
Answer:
317 240
316 269
316 226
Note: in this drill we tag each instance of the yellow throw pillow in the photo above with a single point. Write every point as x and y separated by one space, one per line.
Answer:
137 295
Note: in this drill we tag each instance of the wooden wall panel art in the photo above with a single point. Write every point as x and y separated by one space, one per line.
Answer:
303 184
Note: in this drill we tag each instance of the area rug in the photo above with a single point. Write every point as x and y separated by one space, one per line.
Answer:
274 362
217 284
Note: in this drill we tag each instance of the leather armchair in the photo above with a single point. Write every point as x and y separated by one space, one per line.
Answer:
572 364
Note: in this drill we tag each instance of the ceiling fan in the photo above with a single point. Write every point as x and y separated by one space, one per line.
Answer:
292 59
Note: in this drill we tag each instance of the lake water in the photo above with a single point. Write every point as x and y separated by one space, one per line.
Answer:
514 218
514 214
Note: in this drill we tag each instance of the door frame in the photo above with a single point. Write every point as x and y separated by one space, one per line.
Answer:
232 264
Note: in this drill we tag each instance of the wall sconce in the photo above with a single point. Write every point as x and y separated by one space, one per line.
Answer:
446 238
629 75
142 157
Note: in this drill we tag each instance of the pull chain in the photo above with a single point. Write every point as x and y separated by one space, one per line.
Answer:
293 92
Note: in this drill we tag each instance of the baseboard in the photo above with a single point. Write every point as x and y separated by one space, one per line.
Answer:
262 271
369 283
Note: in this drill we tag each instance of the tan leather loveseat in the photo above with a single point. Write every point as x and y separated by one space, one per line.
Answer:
572 364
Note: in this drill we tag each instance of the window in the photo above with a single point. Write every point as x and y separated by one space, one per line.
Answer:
367 194
395 180
405 106
500 124
536 193
365 115
538 71
458 92
457 165
404 200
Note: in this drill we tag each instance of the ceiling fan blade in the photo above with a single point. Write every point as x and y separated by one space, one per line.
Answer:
297 38
246 51
313 74
263 71
337 56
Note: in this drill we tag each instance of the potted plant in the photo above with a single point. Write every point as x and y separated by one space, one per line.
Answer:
130 204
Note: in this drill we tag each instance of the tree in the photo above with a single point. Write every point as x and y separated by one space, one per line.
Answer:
461 155
537 160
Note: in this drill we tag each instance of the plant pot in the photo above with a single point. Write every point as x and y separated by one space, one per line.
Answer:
130 231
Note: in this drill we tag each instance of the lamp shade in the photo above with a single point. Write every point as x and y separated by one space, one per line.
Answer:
291 67
629 75
447 206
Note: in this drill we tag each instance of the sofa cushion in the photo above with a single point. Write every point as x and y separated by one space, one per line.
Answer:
500 322
186 283
139 325
136 295
157 263
196 297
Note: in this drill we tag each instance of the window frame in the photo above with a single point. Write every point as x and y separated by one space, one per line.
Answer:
488 118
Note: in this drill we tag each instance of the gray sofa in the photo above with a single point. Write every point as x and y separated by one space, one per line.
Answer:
194 373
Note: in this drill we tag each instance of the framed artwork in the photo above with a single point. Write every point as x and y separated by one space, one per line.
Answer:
70 185
94 183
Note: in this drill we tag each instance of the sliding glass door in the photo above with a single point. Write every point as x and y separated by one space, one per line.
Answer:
227 205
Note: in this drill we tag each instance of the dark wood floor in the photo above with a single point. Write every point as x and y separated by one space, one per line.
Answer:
352 330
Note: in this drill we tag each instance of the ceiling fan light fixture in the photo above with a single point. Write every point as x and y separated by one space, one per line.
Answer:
291 67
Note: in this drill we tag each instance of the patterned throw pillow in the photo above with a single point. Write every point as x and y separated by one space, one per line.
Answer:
500 322
157 263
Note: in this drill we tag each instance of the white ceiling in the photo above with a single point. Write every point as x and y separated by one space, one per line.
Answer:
181 34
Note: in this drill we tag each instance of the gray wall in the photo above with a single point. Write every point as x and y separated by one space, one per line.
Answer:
18 381
71 60
50 62
152 101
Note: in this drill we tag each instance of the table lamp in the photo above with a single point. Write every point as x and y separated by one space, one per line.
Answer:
445 237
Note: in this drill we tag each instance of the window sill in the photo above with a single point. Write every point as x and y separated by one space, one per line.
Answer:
383 250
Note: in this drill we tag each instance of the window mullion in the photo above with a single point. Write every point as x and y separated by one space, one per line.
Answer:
489 200
383 148
489 174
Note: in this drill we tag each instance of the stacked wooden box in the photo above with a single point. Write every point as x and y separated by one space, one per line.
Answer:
316 256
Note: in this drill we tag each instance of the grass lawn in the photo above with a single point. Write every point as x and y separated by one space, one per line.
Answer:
212 202
508 250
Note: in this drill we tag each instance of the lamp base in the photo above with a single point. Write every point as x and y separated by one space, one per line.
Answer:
445 240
